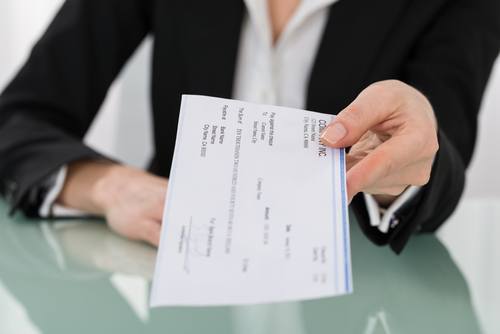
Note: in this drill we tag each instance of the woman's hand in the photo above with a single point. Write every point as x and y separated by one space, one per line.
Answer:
131 200
393 133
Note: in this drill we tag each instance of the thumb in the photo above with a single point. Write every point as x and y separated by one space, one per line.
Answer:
372 106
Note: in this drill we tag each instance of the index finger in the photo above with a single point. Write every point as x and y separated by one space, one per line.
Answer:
373 105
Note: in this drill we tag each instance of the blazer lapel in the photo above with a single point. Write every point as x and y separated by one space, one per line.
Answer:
353 36
211 38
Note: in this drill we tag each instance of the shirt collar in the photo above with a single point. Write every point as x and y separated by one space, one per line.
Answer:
258 14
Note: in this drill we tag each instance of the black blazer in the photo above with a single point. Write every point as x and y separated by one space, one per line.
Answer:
445 48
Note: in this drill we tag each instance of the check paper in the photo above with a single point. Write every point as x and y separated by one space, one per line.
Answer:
256 208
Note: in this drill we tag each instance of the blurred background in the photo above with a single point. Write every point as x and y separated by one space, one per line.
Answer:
122 130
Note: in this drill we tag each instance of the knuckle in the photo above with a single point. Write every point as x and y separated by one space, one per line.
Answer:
133 229
434 146
149 236
423 178
147 229
377 86
425 144
388 89
430 146
380 89
395 83
383 84
351 114
136 229
129 231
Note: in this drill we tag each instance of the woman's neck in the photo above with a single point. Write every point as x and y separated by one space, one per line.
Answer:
280 12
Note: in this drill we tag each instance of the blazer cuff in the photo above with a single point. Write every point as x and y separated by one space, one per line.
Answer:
49 207
384 218
23 188
428 208
54 186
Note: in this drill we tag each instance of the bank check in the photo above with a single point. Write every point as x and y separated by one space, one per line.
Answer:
256 208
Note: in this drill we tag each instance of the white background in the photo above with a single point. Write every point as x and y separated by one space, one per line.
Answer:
123 130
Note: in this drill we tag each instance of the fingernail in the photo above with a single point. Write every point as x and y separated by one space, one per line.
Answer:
334 133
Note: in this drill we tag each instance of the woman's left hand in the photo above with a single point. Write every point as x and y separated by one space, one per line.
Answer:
392 129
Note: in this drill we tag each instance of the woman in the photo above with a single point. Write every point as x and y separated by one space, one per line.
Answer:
405 77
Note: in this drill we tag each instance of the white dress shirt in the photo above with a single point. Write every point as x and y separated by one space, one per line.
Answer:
274 73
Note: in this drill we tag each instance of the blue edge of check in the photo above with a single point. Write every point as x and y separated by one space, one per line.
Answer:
348 287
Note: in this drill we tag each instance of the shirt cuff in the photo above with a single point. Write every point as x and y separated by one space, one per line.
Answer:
49 208
382 218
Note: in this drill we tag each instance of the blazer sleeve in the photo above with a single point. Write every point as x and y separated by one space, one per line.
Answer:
47 108
450 64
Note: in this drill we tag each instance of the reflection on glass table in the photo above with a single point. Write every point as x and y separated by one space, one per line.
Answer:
471 235
78 277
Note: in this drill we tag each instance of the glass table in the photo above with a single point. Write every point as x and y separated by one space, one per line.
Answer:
76 276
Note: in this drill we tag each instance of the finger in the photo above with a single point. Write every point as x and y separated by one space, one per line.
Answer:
350 161
373 105
150 231
387 159
158 208
156 204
